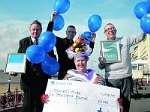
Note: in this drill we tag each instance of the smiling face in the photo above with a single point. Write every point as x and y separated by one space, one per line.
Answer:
110 31
35 30
71 32
81 64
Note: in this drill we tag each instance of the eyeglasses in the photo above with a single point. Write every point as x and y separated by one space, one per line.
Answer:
111 28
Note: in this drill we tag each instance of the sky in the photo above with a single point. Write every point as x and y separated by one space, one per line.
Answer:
16 16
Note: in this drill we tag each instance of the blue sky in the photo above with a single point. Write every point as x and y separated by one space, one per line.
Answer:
16 15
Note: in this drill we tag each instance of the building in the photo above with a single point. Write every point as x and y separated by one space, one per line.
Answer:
140 56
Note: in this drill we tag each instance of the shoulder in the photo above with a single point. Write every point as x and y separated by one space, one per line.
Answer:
69 74
25 39
71 71
59 39
123 39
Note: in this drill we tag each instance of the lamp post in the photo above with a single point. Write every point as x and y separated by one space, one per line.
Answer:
9 81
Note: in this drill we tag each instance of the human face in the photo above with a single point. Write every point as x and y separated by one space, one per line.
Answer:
71 32
110 32
81 64
35 30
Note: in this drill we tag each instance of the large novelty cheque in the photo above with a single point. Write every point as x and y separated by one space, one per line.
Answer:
74 96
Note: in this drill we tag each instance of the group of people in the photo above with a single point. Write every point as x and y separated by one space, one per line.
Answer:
118 74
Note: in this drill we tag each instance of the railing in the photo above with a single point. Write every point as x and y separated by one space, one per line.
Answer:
11 100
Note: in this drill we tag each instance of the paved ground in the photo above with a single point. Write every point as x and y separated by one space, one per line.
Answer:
142 101
140 105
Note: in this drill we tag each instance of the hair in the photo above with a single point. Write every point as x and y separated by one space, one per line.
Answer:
109 24
71 26
36 22
81 54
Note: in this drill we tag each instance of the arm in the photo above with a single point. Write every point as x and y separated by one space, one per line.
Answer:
99 80
93 41
92 45
50 26
51 53
51 22
101 64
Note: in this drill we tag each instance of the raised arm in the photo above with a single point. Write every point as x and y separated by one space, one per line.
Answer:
51 22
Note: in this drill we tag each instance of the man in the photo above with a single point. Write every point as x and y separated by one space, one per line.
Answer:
119 74
61 45
34 80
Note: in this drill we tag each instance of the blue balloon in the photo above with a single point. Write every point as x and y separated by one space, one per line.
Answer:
50 66
47 40
61 6
58 23
145 23
87 36
148 3
94 23
140 9
35 54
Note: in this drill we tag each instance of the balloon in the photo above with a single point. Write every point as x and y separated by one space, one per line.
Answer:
50 66
87 36
94 23
47 40
148 3
61 6
140 9
58 23
35 54
145 23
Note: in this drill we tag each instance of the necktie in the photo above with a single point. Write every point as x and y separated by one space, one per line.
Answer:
35 42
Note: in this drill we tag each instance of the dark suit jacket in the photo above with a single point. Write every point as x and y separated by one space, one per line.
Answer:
61 45
34 77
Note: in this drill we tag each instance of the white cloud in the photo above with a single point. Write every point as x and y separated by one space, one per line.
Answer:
10 34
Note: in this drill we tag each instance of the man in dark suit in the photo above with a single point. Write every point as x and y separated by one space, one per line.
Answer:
34 80
61 45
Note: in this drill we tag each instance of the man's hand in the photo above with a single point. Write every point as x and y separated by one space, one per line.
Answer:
53 16
93 37
102 60
98 80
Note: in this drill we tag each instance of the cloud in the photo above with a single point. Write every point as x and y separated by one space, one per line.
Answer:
10 33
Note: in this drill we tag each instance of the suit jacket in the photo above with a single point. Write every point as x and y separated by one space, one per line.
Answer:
33 77
61 45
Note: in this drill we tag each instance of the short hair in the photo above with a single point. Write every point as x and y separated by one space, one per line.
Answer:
71 26
36 22
109 24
